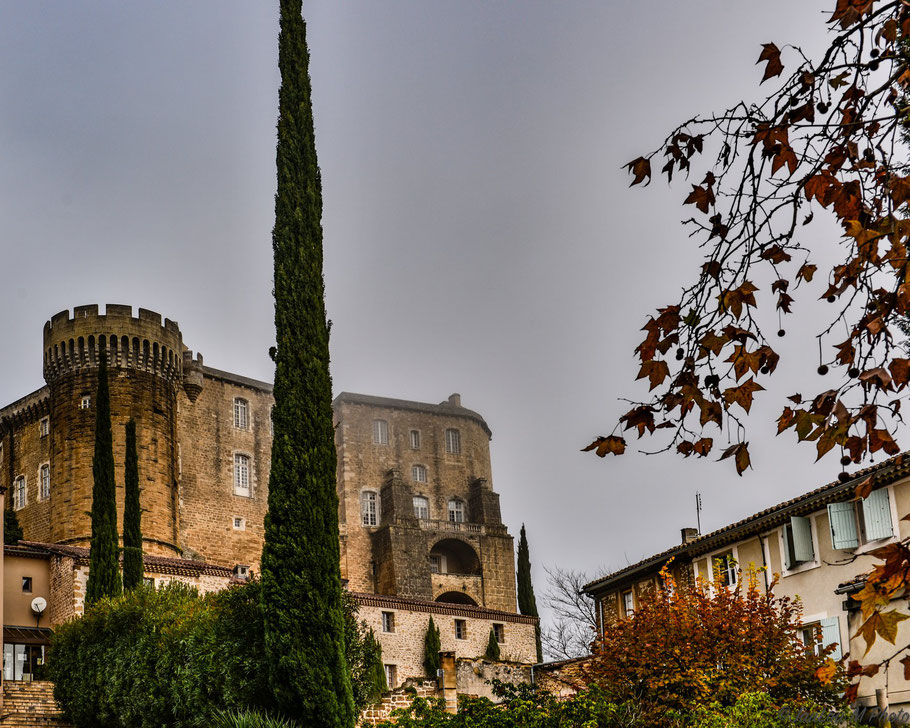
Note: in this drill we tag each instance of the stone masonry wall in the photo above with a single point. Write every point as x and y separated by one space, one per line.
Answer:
404 647
398 698
208 441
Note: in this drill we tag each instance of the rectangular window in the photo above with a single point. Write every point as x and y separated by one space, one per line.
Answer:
26 585
461 629
388 621
242 571
44 427
421 507
241 474
628 603
44 487
380 432
456 511
726 566
453 441
239 524
391 676
85 403
415 439
435 564
811 636
500 631
369 508
419 473
20 493
798 546
241 414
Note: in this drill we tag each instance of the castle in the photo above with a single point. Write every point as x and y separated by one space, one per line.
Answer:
420 526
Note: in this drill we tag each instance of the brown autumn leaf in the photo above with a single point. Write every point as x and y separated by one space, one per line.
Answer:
771 54
742 395
701 197
878 377
863 489
641 418
613 444
906 663
641 168
826 672
703 446
883 624
740 453
656 370
900 372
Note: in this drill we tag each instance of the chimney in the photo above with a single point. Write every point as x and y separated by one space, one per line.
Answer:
455 399
689 534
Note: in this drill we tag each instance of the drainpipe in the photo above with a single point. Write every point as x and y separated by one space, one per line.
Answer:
764 561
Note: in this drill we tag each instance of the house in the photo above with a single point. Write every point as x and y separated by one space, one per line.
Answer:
818 543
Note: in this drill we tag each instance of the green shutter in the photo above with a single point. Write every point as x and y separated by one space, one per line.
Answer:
788 548
802 539
877 515
842 517
831 635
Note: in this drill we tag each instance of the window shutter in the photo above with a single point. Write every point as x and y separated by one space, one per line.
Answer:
831 634
788 549
877 515
802 539
842 517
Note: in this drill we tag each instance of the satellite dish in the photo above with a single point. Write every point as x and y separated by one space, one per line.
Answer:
39 604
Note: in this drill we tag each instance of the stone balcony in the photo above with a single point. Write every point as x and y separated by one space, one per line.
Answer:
474 529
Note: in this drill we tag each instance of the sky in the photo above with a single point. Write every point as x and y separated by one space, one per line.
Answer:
480 234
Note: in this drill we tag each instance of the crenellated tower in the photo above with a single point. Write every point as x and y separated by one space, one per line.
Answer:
145 357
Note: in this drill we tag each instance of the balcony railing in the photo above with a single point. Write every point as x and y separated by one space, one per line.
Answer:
429 524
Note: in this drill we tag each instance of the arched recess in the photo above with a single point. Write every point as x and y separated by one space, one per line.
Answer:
452 556
455 597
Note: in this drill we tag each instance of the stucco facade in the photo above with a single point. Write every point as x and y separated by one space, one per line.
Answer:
795 542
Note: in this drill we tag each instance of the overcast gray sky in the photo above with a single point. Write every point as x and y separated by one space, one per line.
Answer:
480 236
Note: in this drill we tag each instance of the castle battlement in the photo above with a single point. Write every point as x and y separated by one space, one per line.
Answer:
139 342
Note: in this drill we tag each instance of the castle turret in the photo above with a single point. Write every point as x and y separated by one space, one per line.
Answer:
145 357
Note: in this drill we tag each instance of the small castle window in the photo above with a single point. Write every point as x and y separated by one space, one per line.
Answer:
241 474
26 585
388 621
461 629
453 441
500 631
415 439
44 483
241 414
421 507
391 676
419 473
456 510
239 524
44 427
242 571
86 402
20 493
380 432
436 565
369 508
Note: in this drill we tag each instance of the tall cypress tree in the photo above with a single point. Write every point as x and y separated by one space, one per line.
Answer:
301 584
492 651
431 646
12 531
104 568
133 572
527 602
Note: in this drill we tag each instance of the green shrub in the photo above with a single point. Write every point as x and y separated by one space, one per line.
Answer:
247 719
169 657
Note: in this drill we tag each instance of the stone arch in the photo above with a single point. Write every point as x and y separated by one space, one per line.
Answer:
456 597
456 557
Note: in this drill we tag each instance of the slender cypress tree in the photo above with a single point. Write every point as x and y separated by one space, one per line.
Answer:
104 567
527 602
492 652
133 572
301 583
431 646
12 531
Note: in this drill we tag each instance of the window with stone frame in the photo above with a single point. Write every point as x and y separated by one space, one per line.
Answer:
419 473
241 413
391 676
20 493
453 441
436 565
380 432
456 510
44 426
500 631
369 508
242 464
388 621
415 439
44 482
421 507
461 629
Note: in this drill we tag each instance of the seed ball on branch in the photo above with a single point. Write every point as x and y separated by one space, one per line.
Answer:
823 108
853 372
823 369
831 299
843 477
781 332
845 460
680 354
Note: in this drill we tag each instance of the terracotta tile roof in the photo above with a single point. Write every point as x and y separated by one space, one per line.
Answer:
456 610
154 564
885 472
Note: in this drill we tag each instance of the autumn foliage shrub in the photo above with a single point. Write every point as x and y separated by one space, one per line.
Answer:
693 645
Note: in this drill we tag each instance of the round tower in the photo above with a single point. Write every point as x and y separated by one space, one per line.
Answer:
145 359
